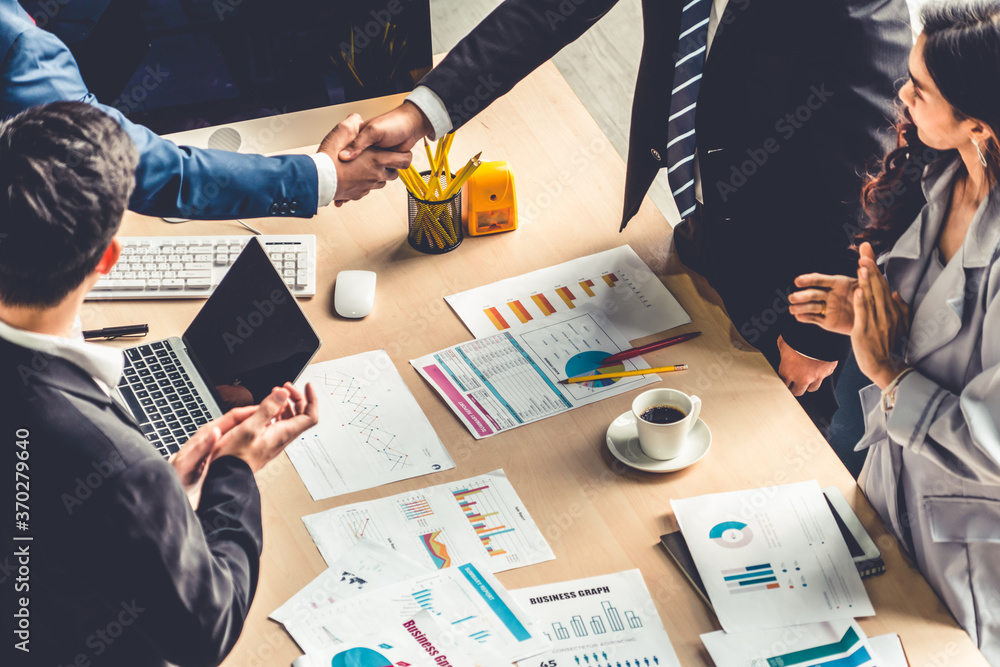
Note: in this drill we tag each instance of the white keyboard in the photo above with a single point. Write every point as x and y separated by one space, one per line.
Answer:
189 267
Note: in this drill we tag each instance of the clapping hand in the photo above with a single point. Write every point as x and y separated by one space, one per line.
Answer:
255 433
881 320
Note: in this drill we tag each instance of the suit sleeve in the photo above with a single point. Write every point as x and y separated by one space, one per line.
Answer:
171 180
190 576
862 59
505 47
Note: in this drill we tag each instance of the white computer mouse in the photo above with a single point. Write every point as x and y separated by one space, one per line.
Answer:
354 293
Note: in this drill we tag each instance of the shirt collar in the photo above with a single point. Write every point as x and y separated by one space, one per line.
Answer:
983 236
103 364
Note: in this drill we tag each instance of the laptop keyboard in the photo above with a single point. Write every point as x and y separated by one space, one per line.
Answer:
161 396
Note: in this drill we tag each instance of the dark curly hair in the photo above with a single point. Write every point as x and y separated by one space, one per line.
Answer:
962 55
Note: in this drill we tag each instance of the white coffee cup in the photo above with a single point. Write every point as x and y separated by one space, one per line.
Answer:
665 441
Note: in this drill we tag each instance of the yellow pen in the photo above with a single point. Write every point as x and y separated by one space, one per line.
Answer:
624 374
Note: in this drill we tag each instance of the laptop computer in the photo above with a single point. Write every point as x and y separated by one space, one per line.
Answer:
249 336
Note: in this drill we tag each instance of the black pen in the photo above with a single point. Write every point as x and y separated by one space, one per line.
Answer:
117 332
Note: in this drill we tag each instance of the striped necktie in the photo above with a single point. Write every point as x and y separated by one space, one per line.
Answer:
691 46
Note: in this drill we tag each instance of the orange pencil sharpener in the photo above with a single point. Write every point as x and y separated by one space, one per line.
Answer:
489 200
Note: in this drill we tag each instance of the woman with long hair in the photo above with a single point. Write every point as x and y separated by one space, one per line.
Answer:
924 317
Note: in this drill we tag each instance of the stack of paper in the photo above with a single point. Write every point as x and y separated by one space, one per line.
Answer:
373 599
780 578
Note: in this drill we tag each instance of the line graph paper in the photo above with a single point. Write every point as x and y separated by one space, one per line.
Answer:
371 430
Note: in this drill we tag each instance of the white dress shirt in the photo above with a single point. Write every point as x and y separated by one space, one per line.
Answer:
432 106
104 364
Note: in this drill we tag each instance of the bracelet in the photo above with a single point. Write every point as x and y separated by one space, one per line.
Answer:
889 393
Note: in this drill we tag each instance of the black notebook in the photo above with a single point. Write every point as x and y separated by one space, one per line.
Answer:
867 556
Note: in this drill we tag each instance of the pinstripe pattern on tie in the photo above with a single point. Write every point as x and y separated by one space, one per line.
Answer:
691 46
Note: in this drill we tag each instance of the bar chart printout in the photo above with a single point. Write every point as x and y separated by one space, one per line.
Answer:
780 563
598 621
479 520
615 282
510 379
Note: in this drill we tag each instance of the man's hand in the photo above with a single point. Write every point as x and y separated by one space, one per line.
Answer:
398 130
800 373
826 301
192 460
269 427
371 172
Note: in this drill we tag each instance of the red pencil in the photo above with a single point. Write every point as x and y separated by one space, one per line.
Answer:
643 349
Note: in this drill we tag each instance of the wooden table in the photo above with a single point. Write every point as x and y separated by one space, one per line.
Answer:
598 516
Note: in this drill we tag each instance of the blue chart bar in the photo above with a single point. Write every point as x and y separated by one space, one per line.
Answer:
597 625
560 630
424 599
634 621
579 629
750 579
614 620
480 636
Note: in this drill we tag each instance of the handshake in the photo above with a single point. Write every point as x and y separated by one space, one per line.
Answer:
369 154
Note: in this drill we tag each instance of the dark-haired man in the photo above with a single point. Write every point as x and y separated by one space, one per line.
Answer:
123 558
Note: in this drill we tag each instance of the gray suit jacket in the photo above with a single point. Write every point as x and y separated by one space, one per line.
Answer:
933 468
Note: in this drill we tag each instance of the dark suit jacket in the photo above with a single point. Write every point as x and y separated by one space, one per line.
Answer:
37 68
791 107
121 570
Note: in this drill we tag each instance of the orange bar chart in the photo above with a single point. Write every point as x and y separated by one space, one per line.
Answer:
566 296
520 311
588 287
497 319
611 279
543 304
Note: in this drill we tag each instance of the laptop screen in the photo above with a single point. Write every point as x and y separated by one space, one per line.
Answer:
251 335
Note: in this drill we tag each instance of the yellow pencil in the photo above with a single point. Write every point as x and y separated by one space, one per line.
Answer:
430 156
462 176
624 374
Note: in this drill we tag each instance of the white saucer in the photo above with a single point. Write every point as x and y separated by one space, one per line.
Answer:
623 441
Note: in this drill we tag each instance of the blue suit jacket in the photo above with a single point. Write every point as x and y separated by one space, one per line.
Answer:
171 180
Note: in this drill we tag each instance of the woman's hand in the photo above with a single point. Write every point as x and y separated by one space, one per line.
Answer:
826 301
881 319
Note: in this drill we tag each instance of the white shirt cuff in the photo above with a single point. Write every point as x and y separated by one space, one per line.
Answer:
327 173
432 106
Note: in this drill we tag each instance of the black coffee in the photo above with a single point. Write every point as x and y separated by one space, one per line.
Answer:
663 414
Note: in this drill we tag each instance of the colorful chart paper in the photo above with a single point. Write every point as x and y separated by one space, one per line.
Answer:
479 519
615 282
503 381
772 557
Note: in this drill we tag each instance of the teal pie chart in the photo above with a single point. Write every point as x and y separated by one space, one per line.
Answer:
592 363
360 657
731 534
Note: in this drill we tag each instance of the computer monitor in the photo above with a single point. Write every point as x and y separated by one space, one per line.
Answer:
254 75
